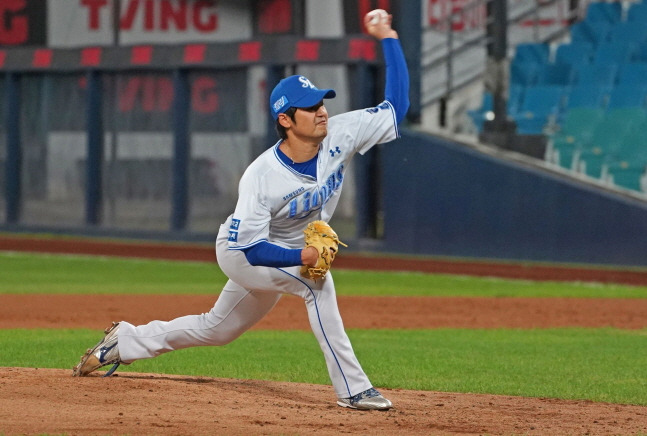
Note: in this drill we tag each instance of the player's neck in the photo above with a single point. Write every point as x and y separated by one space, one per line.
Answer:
299 151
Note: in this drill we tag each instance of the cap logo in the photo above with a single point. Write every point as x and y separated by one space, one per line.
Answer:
278 104
306 83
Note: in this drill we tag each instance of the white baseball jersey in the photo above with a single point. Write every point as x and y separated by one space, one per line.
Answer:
276 202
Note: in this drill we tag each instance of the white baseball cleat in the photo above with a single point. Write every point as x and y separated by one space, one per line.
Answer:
370 399
106 352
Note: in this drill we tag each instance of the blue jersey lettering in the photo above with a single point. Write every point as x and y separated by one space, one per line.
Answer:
312 200
293 208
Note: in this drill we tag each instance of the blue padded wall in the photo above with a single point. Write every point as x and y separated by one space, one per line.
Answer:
441 198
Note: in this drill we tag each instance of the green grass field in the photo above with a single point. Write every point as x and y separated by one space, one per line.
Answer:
597 364
58 274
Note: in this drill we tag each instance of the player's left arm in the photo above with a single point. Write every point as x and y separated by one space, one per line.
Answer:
267 254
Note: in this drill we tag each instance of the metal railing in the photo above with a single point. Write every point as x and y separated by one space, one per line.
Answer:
454 47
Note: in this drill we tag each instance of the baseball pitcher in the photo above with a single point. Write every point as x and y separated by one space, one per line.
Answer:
277 240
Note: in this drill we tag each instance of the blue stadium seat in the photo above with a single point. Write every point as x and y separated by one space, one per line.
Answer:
613 53
589 33
539 105
597 12
628 31
478 115
627 166
626 173
523 74
555 74
576 129
586 96
515 95
627 95
637 12
575 53
633 73
607 139
603 76
640 54
531 52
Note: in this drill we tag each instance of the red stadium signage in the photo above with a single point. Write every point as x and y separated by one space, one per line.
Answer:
22 23
439 11
465 17
155 94
182 15
130 22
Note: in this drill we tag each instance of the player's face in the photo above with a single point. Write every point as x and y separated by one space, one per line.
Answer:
311 122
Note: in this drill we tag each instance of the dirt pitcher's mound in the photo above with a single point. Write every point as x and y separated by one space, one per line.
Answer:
36 401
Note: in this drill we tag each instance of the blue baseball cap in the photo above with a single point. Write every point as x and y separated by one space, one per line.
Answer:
296 91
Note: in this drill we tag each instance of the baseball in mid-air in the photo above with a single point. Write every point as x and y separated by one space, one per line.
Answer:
377 16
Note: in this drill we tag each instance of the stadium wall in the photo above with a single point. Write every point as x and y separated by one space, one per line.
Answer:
446 199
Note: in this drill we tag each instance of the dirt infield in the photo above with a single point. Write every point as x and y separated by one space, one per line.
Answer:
37 401
70 311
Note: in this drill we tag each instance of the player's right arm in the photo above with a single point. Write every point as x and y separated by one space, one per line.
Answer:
397 75
396 90
379 125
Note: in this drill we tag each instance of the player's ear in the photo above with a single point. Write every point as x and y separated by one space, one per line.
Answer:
284 120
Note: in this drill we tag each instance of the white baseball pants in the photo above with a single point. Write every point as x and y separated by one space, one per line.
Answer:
250 293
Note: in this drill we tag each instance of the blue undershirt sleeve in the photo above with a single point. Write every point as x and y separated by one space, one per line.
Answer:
267 254
396 88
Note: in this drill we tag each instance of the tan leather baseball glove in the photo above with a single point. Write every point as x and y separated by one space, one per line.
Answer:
321 236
